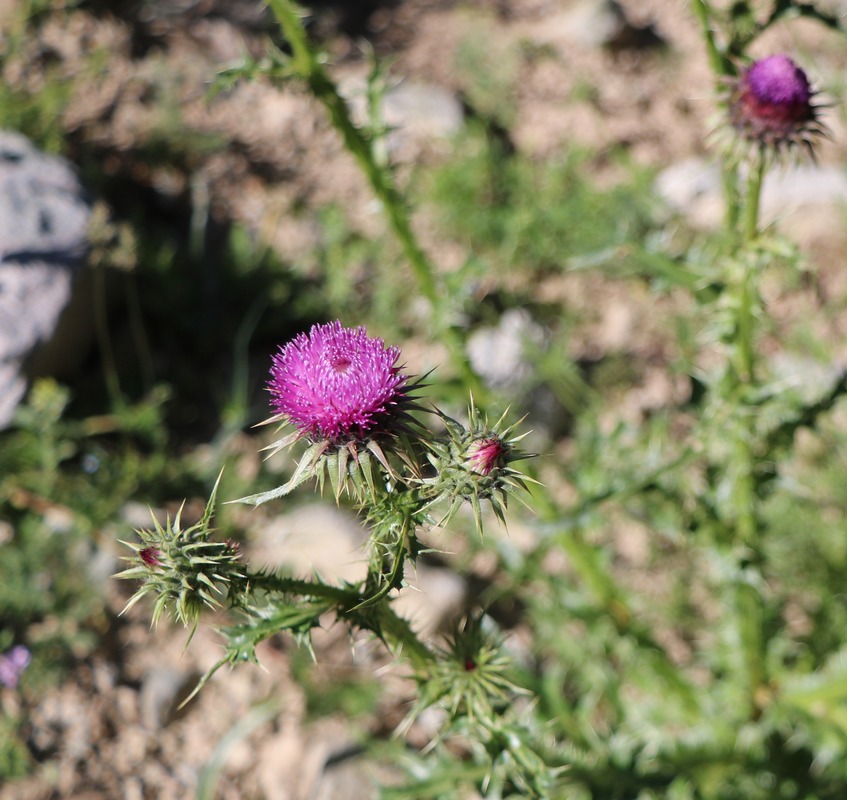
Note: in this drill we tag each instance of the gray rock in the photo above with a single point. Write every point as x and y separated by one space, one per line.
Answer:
434 596
593 23
786 190
43 221
42 209
423 110
692 187
497 355
316 538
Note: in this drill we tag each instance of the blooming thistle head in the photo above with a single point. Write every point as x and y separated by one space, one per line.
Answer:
474 463
337 384
343 391
770 105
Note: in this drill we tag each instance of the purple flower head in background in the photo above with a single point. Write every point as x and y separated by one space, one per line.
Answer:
771 104
12 665
337 384
779 85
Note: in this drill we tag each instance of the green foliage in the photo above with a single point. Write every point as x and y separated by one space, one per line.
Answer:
488 76
334 690
61 481
627 718
14 758
36 115
675 628
36 111
538 217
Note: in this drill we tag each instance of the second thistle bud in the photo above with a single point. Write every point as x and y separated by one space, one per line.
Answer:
183 568
474 463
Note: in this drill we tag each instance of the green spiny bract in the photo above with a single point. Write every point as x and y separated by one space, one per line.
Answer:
182 568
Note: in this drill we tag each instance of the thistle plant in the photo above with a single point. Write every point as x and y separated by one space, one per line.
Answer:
183 568
601 707
356 418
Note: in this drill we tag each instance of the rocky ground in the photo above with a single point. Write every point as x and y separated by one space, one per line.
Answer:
549 73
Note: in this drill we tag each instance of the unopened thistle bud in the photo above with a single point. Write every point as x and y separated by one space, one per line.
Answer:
472 677
150 556
771 106
182 567
474 463
344 393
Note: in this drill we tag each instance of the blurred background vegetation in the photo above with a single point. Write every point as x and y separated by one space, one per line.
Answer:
195 287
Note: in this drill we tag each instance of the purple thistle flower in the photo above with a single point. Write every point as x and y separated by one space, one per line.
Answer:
337 384
12 665
771 104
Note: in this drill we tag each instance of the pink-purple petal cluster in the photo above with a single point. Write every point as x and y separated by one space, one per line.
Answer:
487 454
772 103
776 81
337 384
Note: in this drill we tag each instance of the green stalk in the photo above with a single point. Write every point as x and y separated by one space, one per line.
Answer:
747 602
703 13
754 191
750 612
300 586
398 634
729 178
745 493
745 357
721 68
380 619
307 65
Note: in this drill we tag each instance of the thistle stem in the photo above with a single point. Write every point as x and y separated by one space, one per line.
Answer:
745 324
749 612
703 12
747 601
754 191
380 618
361 145
299 586
729 177
745 367
398 634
